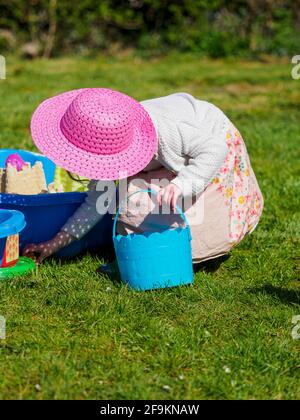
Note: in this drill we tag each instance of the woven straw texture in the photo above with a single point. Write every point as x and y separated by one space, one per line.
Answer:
96 133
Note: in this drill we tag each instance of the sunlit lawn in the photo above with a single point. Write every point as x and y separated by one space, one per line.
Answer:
78 335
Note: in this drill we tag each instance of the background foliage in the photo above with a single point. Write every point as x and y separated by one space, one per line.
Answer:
213 27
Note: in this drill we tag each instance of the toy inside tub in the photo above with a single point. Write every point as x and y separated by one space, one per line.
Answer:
32 184
12 222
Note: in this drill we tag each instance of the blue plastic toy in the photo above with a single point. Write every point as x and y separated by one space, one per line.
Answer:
11 224
45 214
156 260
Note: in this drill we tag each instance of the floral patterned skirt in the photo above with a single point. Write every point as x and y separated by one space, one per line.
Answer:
220 217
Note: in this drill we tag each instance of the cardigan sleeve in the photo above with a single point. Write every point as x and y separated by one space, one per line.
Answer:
191 139
100 197
205 157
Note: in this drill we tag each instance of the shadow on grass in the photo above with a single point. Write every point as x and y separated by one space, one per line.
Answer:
210 266
106 252
288 296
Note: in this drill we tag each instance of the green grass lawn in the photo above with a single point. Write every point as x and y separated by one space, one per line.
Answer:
78 335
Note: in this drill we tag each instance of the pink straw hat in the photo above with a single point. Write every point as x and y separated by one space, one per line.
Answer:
96 133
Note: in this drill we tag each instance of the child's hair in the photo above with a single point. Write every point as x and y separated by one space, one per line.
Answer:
77 178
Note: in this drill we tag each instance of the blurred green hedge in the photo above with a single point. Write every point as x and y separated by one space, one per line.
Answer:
212 27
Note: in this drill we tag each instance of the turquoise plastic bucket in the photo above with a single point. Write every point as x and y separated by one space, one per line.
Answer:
155 260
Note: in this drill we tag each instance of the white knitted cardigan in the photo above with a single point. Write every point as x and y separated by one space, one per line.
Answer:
191 139
191 143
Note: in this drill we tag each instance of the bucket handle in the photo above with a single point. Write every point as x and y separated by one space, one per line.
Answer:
154 193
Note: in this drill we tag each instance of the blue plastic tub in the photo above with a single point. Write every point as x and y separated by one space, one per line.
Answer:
45 214
155 260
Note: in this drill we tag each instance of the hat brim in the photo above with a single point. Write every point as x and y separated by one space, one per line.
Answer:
48 137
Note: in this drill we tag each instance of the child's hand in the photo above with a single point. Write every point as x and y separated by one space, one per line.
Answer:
169 195
38 252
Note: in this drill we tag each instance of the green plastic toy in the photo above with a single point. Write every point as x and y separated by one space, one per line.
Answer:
24 266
